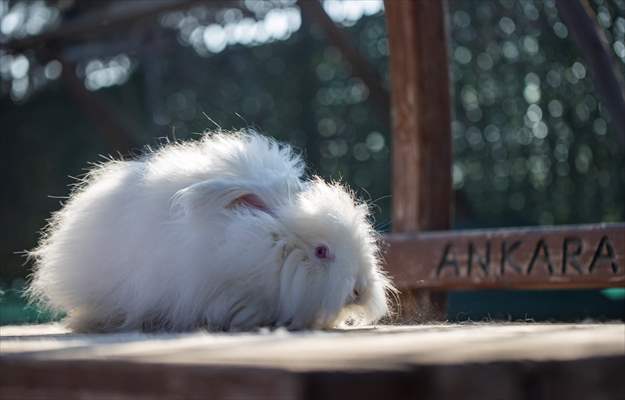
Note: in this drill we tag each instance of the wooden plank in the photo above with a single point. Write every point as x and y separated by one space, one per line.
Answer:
382 347
581 256
421 117
434 361
53 379
563 379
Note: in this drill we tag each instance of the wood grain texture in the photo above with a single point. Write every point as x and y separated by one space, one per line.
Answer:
421 134
469 361
581 256
421 115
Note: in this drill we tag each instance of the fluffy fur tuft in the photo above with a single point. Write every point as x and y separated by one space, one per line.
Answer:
223 233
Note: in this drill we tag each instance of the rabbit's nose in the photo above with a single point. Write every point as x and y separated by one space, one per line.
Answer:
354 297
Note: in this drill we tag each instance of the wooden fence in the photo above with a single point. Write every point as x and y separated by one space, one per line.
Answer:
421 260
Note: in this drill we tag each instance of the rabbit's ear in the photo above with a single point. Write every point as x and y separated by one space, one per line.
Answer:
215 196
249 200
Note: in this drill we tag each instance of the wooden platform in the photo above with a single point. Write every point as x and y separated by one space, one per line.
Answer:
510 361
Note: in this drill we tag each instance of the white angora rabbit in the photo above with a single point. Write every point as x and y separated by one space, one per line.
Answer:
221 233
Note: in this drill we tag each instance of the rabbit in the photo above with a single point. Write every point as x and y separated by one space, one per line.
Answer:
222 233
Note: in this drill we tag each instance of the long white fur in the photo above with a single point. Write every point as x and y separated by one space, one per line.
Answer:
161 243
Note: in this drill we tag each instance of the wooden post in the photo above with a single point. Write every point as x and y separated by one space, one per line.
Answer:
421 137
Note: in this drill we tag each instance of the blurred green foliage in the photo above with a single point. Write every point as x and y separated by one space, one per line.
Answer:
16 310
532 141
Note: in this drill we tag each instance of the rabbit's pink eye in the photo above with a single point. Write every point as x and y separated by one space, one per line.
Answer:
322 252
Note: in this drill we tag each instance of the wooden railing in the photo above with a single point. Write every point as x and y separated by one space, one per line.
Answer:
581 256
425 264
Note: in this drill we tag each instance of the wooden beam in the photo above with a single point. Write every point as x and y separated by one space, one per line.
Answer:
421 117
117 16
583 256
360 65
451 361
53 379
594 46
105 120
